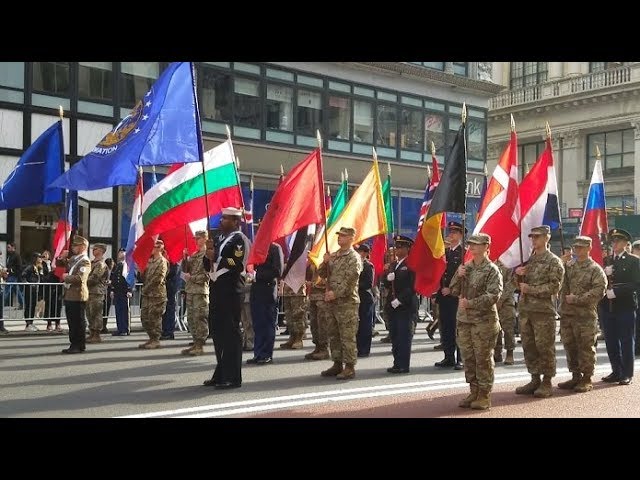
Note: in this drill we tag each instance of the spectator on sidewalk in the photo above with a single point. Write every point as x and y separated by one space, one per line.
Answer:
32 293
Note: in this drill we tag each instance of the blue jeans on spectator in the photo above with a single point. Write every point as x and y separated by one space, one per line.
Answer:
10 289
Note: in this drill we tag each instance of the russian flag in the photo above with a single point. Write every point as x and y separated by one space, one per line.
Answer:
594 218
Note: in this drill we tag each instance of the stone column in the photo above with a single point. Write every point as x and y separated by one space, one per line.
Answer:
573 68
448 67
555 70
570 158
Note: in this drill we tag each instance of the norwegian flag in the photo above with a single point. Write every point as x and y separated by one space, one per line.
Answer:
428 193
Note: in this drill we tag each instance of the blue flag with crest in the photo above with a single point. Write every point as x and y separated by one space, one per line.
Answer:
163 128
40 164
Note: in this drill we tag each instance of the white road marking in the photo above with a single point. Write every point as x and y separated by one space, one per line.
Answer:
315 398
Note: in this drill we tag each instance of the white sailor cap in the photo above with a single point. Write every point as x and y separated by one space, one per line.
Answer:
232 211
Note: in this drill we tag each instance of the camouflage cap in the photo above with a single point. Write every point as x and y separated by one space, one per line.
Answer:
480 239
201 234
101 246
78 240
347 231
582 241
541 230
620 233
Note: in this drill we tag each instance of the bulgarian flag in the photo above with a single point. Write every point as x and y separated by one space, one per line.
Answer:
179 198
175 206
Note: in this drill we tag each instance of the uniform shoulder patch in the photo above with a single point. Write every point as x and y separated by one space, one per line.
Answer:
231 262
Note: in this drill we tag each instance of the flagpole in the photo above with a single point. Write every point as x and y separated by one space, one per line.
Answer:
548 131
464 138
324 204
513 129
65 191
253 217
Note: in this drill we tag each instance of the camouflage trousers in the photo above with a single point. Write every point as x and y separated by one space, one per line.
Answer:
95 307
151 312
247 326
342 328
578 336
295 314
538 333
318 322
198 316
507 315
476 342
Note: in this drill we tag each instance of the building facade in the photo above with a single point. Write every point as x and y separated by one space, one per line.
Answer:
273 110
587 104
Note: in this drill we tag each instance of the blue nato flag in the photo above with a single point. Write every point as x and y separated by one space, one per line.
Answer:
163 128
40 164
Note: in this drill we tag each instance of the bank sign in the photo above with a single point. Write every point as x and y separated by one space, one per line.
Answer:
474 184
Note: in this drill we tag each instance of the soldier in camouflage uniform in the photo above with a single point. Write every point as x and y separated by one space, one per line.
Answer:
295 311
478 285
197 290
539 283
583 287
507 315
153 300
342 271
97 284
316 287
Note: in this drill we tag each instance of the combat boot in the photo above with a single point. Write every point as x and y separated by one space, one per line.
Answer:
333 371
569 384
94 337
483 402
152 345
186 351
497 356
309 356
584 385
347 373
321 354
144 345
466 402
289 343
509 359
297 341
530 387
544 390
197 348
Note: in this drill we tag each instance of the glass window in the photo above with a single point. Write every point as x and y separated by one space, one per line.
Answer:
214 94
246 103
460 68
528 155
454 125
309 112
620 205
597 66
411 129
136 80
434 132
279 107
339 117
387 125
12 74
617 150
477 133
528 73
51 77
95 81
362 121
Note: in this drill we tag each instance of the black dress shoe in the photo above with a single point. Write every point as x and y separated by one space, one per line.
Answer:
72 350
252 361
363 355
397 370
120 334
167 337
227 385
458 366
447 362
264 361
624 381
209 383
611 378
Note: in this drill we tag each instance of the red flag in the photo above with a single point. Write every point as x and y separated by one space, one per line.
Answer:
498 216
297 202
378 250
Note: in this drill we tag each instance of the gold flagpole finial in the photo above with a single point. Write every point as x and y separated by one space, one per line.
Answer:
388 169
251 183
228 131
597 152
464 112
60 112
548 130
429 172
328 191
237 163
513 124
433 149
341 177
319 138
281 170
375 154
346 175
